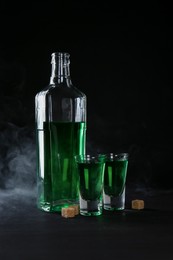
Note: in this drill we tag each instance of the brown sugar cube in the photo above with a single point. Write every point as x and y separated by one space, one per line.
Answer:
137 204
68 212
76 207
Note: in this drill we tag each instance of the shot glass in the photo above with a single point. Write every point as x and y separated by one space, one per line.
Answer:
91 175
115 181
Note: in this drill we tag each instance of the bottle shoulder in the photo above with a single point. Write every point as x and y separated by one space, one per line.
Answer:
62 90
79 92
43 92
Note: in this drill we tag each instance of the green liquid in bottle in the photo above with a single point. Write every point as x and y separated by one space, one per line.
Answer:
58 143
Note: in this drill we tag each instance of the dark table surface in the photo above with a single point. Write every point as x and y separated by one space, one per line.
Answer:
28 233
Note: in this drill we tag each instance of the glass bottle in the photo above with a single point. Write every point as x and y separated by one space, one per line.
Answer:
60 112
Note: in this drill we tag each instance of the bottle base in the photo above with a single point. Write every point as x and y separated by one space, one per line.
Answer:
56 206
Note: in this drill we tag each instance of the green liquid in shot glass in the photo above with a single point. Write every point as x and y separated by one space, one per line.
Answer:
91 180
115 177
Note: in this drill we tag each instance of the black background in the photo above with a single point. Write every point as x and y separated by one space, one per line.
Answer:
121 58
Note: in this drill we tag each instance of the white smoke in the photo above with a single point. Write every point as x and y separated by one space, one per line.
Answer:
17 158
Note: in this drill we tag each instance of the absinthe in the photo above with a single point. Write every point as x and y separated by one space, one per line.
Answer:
58 143
61 133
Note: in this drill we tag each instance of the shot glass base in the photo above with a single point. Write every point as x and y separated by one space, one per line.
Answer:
114 203
90 208
113 208
83 213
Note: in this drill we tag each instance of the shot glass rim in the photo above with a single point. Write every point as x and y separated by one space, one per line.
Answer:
117 156
90 158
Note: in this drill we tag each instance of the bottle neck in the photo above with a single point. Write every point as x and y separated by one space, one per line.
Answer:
60 72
